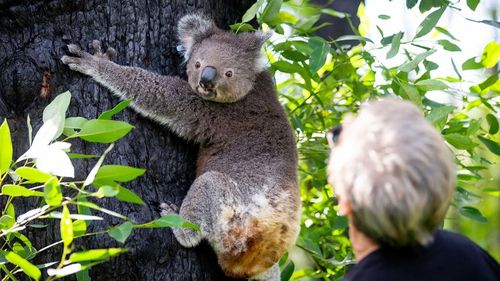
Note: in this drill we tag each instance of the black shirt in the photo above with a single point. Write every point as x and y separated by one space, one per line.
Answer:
450 257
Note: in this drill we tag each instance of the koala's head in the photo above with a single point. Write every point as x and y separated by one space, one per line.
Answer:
221 66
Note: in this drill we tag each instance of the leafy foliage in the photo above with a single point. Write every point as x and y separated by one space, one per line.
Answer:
320 81
45 172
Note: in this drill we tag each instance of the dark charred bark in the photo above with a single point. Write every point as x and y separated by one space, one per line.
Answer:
32 37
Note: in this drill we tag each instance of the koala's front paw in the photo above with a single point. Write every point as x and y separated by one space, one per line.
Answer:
84 62
187 237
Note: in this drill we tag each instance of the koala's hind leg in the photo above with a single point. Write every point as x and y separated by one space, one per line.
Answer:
202 204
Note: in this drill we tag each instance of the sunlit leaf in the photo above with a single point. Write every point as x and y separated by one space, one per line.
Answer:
17 190
126 195
5 147
32 174
96 254
250 13
52 192
103 131
172 220
66 227
106 115
491 54
27 267
91 176
117 173
459 141
79 227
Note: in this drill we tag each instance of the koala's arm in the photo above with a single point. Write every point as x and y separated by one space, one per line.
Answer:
166 99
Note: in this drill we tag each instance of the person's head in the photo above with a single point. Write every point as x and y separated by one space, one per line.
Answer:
392 173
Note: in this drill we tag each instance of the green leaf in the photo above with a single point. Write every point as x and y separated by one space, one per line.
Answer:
17 190
103 131
286 67
32 174
27 267
459 141
271 11
126 195
493 23
320 50
82 156
445 32
241 27
493 123
287 272
410 93
5 147
396 41
52 192
121 232
83 275
66 226
429 22
493 146
489 81
431 85
439 115
106 191
250 13
472 213
117 173
79 228
73 123
172 220
96 254
293 55
106 115
7 221
471 64
448 46
411 3
384 17
472 4
409 66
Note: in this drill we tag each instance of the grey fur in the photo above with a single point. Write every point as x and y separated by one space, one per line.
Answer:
245 196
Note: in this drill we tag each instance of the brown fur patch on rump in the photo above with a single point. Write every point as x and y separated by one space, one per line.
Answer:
265 242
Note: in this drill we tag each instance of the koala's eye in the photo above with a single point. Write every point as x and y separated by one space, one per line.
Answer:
229 73
197 64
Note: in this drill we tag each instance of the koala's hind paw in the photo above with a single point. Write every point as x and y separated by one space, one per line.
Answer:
187 237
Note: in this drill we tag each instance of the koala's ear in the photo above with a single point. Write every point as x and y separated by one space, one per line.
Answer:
194 28
253 40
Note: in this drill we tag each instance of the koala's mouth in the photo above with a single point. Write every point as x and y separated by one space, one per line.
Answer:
205 93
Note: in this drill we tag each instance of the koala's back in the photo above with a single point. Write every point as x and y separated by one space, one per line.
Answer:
254 146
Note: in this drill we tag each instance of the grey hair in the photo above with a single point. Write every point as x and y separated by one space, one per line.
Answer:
396 172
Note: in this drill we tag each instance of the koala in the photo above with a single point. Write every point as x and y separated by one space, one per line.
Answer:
245 197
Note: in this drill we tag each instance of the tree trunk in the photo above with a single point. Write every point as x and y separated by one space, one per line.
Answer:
32 37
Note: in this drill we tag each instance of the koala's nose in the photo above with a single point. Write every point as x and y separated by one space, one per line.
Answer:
207 78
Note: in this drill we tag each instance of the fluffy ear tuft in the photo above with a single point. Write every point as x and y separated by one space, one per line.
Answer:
254 40
193 28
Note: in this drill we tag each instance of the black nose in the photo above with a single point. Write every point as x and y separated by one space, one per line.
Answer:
207 78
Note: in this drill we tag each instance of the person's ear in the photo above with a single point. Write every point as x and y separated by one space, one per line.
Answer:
344 206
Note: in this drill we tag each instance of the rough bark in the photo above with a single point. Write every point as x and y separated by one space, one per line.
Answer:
32 37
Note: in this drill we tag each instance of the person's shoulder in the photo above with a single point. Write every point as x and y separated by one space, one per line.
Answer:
458 249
